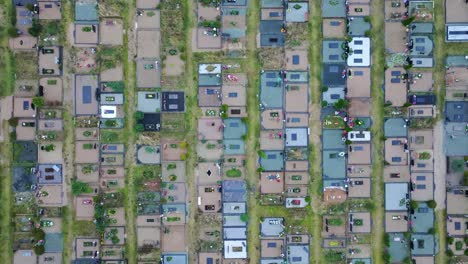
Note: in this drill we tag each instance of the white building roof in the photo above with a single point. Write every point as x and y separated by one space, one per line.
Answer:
235 249
209 68
359 135
108 111
457 33
361 52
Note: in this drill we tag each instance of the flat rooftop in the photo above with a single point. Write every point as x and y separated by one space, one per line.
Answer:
298 254
332 139
396 152
455 139
422 219
395 86
422 244
235 249
455 11
395 36
333 74
334 9
173 102
49 173
149 102
234 191
334 164
273 161
271 227
457 201
332 51
85 94
359 153
396 221
396 195
423 183
296 137
456 111
358 82
271 89
86 10
395 127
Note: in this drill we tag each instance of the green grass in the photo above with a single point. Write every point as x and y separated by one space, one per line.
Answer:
109 57
7 71
253 123
440 53
315 84
7 59
174 125
233 173
129 137
7 81
6 203
191 117
68 212
377 76
84 228
334 122
144 173
27 62
171 23
112 136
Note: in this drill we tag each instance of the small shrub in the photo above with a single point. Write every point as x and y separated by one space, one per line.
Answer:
13 121
80 187
139 115
407 104
335 221
39 249
36 28
341 104
110 123
12 32
368 33
13 135
38 101
261 154
387 240
244 217
449 253
408 21
38 234
139 128
450 240
183 144
431 204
